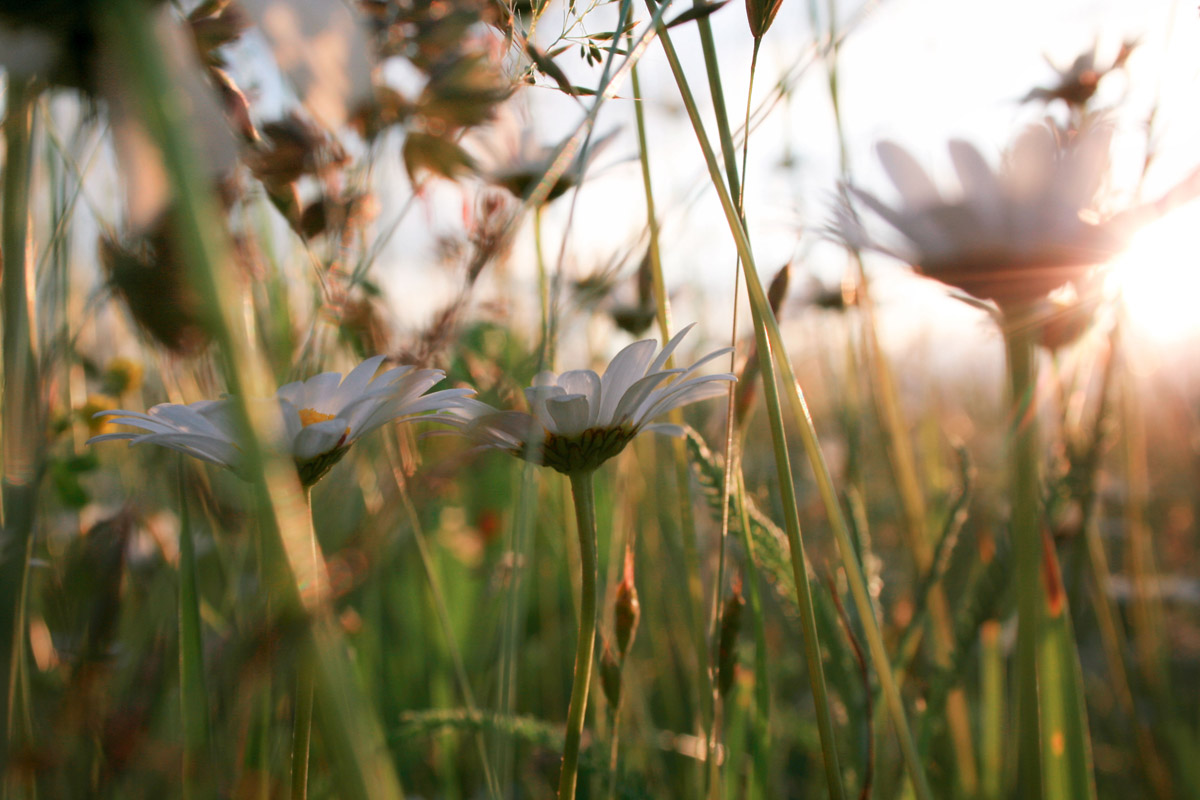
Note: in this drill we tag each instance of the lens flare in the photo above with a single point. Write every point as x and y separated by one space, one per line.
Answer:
1158 276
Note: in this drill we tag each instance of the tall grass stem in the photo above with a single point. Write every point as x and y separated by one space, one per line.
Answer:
22 428
354 737
193 689
765 319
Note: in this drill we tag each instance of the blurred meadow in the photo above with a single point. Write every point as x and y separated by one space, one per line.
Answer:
505 399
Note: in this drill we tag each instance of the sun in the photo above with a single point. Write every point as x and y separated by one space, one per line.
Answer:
1158 276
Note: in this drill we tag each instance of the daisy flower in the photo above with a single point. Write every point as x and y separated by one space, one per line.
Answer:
578 420
515 159
321 416
1011 236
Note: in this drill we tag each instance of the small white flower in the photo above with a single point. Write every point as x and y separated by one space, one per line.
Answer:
1012 236
321 417
579 420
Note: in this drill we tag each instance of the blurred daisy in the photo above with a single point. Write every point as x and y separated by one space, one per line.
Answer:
1012 236
321 416
578 420
513 158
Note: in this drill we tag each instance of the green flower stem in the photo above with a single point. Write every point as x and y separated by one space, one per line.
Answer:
193 693
22 428
1027 554
765 319
351 731
585 520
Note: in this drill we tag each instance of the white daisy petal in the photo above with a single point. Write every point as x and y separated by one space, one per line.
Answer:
319 391
684 394
626 367
319 438
670 347
584 382
570 414
396 410
909 178
205 447
355 382
640 392
666 429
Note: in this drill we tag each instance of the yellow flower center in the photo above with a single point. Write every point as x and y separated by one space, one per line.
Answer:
309 416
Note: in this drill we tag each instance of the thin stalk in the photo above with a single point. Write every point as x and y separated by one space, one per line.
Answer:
1112 634
730 423
767 329
583 493
547 351
1027 554
712 69
1147 618
991 721
614 751
695 593
302 719
352 733
522 528
761 737
193 693
302 729
21 424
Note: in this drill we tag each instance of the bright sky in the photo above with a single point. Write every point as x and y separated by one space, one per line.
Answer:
915 71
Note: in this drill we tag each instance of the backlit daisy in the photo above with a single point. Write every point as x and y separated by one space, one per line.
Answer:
321 416
578 420
1011 236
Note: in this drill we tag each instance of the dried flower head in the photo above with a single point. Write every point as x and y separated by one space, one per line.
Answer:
1078 82
321 417
579 420
1011 237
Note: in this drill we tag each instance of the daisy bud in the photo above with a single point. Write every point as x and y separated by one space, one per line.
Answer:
731 624
610 676
626 609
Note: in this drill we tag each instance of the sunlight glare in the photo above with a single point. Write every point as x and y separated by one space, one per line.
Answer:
1159 276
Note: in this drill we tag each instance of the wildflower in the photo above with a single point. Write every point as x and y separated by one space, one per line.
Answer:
1078 82
93 405
515 160
579 420
321 417
1013 237
122 375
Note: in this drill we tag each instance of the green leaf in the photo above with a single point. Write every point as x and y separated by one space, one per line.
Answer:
440 156
698 11
546 66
